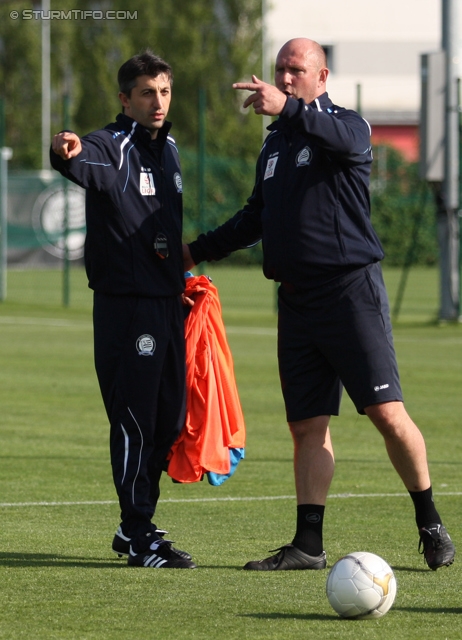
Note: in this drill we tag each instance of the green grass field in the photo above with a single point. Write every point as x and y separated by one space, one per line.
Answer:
60 580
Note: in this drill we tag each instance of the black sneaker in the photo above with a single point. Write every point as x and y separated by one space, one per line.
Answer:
288 558
121 544
162 556
436 545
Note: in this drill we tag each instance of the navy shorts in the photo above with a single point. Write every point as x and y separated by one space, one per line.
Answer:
333 336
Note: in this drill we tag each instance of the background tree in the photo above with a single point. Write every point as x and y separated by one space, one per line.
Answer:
403 211
209 43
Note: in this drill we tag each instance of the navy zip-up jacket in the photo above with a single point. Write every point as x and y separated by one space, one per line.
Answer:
310 203
133 192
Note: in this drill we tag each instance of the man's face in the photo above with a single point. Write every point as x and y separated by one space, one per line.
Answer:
297 72
149 102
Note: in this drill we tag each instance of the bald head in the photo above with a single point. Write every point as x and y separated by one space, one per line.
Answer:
301 70
308 49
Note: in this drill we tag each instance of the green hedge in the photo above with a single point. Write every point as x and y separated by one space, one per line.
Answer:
403 210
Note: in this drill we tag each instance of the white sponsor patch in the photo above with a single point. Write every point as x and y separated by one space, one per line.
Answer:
146 345
382 386
147 187
270 168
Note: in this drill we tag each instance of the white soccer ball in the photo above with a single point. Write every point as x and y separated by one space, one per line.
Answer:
361 585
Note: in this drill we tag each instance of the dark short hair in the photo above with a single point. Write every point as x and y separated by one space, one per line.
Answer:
144 64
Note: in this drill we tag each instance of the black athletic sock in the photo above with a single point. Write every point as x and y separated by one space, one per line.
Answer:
425 510
308 536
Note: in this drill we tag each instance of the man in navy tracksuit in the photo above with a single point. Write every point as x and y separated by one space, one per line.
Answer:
310 207
133 257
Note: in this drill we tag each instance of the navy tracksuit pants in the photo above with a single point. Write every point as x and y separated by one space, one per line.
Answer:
140 364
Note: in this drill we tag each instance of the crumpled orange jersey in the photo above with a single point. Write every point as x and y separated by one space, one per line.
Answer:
214 421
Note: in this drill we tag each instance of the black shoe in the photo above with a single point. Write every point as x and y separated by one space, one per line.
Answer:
436 545
163 556
121 544
288 558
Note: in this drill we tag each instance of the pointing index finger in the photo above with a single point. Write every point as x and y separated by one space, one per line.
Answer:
248 86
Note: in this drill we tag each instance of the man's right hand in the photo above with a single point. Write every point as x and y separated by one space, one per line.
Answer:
267 100
67 145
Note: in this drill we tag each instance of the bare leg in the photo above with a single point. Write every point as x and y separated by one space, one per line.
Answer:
313 459
314 468
404 442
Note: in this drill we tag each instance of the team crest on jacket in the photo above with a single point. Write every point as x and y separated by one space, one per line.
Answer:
147 187
146 345
304 157
178 182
